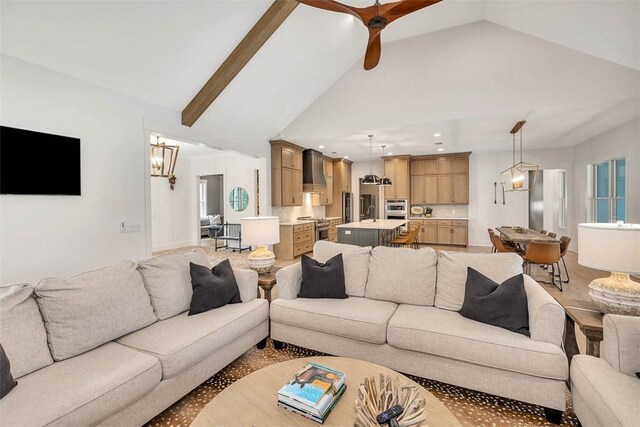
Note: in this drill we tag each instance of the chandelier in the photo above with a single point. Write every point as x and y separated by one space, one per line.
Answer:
163 160
515 177
371 178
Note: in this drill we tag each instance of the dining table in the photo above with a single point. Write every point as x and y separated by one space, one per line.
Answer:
523 237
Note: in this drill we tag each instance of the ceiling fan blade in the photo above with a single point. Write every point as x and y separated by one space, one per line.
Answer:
402 8
333 6
374 48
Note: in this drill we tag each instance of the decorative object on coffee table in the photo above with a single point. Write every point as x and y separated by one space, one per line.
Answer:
261 231
375 398
614 248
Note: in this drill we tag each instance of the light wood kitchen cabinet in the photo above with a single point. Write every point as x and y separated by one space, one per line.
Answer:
286 174
326 195
453 189
398 170
424 189
460 235
444 232
453 164
341 184
295 240
424 167
428 232
333 231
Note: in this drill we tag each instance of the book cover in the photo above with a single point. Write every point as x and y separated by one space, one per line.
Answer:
316 418
310 385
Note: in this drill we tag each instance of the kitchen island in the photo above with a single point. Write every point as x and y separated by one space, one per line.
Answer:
370 233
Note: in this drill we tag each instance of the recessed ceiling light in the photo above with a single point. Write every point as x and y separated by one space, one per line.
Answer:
436 135
346 157
440 149
320 146
388 154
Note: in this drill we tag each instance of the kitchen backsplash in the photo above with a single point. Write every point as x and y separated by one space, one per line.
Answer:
448 211
290 214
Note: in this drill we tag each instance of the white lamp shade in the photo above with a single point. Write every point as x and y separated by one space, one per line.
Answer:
610 247
260 230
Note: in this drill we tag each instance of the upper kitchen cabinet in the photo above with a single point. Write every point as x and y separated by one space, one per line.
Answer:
286 174
342 176
326 196
424 167
397 169
440 179
453 164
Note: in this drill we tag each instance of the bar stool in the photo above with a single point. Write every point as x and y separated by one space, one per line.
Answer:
564 247
409 239
544 253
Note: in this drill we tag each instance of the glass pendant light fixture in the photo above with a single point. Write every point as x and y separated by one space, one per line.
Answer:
371 178
514 178
385 181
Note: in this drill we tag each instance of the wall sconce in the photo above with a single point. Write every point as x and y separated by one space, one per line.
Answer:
163 160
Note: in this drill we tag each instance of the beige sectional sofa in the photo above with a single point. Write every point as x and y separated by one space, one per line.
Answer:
402 312
115 346
606 392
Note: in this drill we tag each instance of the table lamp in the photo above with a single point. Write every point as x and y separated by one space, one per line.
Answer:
261 231
614 248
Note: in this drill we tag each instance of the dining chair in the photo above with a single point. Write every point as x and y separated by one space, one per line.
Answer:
552 235
544 253
491 234
543 231
502 246
564 247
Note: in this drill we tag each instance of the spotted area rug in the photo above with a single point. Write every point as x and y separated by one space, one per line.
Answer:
472 408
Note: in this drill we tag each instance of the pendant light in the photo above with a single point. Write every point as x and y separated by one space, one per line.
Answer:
371 178
385 182
513 178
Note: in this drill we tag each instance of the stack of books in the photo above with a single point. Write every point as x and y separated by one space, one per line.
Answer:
313 392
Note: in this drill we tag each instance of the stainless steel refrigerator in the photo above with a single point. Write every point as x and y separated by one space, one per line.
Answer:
368 206
536 200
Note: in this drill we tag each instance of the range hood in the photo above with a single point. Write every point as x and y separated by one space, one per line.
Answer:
313 171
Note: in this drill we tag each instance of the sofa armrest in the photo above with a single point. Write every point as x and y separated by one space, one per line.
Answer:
622 342
247 281
288 280
546 316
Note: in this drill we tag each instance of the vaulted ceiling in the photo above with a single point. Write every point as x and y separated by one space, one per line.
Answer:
466 69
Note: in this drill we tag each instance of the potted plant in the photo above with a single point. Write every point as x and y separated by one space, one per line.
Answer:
427 212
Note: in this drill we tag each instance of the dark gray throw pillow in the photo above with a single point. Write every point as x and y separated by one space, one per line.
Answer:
323 280
213 288
504 305
7 383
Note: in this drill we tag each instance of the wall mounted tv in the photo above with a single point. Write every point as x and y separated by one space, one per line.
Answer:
38 163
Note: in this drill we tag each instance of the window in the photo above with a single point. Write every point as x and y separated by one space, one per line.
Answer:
608 190
202 190
562 196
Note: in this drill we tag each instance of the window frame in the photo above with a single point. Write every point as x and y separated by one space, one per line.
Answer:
612 197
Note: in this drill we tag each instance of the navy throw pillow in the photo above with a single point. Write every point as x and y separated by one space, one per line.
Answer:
7 383
212 288
323 280
504 305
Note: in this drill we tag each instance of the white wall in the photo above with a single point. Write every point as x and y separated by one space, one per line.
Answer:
44 236
171 210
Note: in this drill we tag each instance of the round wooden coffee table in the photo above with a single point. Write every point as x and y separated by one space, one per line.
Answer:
251 401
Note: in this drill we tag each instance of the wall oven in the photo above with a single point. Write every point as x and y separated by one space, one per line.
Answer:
396 209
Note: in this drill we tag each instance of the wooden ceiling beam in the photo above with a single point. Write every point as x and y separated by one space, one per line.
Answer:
241 55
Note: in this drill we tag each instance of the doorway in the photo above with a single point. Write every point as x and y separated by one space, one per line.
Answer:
210 207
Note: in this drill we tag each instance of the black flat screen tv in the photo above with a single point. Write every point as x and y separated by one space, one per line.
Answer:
38 163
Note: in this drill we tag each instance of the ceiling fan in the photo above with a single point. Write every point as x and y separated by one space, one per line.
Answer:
375 18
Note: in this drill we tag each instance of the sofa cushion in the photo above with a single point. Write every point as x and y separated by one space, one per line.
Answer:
322 280
447 334
83 390
498 304
212 287
602 395
92 308
22 332
168 280
356 263
402 275
452 273
358 318
182 341
7 383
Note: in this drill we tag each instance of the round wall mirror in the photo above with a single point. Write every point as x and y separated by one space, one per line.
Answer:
239 199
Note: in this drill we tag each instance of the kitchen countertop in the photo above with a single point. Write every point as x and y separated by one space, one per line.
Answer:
438 217
297 222
380 224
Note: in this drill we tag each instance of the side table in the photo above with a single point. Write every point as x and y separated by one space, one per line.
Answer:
266 282
589 320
